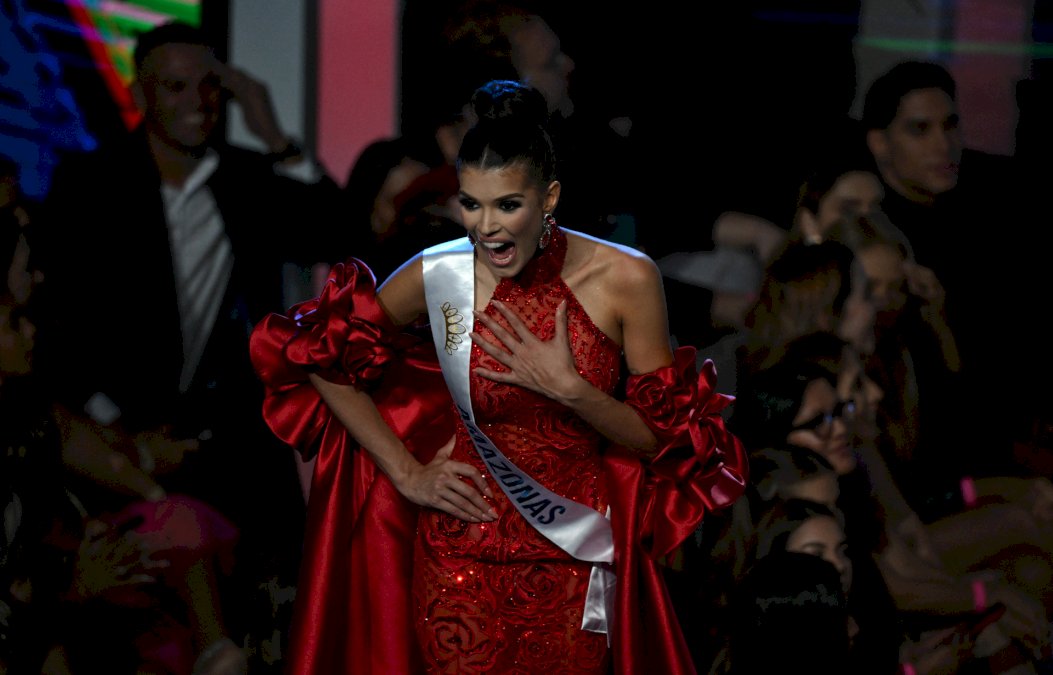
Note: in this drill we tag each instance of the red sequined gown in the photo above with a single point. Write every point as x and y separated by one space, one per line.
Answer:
499 596
496 597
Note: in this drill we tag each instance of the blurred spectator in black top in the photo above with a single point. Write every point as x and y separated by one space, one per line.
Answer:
966 218
482 40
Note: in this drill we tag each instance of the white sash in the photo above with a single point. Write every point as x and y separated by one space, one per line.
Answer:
585 534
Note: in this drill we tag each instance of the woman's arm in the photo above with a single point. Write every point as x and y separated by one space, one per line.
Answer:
744 230
89 450
1025 616
1033 493
922 283
633 287
437 484
885 488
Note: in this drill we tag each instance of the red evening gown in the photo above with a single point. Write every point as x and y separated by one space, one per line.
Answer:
495 597
500 597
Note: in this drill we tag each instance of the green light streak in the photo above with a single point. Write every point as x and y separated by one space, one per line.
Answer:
124 25
1037 50
187 11
118 29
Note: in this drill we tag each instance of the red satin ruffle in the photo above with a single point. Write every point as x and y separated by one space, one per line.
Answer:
699 466
353 610
657 502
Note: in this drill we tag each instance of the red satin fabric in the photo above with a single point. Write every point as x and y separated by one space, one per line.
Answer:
655 505
353 612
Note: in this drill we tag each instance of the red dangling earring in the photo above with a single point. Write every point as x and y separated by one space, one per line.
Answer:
548 222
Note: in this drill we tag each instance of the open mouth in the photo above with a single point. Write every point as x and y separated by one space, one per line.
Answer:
500 253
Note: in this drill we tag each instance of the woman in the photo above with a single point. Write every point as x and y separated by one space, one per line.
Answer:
803 526
793 603
866 639
808 288
501 580
915 359
837 192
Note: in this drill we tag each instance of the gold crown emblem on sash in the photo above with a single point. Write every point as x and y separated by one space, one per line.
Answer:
454 327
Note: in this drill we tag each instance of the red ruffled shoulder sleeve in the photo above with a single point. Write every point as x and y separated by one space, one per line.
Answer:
699 465
343 335
657 502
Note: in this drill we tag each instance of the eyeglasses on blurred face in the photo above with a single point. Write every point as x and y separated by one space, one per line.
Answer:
823 423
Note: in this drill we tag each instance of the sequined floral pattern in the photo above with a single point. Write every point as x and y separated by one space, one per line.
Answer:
502 588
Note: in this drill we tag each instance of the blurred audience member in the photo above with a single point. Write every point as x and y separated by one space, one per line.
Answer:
597 152
935 570
380 173
935 190
163 249
137 585
790 614
807 288
14 217
728 278
915 360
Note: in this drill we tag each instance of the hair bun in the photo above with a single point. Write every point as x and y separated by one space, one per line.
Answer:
509 100
511 127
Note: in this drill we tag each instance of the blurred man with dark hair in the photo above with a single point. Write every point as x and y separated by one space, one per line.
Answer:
966 214
163 249
912 130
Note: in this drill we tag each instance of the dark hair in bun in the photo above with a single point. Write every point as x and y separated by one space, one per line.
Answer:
511 128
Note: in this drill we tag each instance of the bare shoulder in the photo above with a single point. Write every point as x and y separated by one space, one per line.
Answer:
624 289
402 294
619 267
